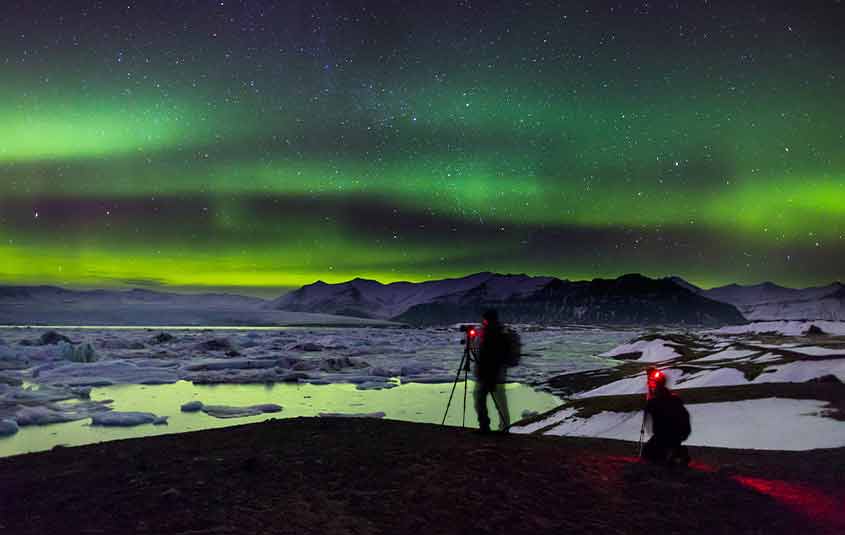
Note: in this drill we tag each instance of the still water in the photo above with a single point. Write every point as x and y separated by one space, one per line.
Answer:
412 402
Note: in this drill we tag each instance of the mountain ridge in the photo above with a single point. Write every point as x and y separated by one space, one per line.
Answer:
629 299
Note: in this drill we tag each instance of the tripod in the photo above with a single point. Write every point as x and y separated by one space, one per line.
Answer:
642 433
470 342
470 352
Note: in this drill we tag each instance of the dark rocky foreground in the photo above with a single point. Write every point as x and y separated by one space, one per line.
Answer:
372 476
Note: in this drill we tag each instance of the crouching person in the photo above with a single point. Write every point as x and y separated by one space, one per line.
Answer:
669 422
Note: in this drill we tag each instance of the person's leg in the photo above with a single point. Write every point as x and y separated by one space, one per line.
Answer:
501 399
680 455
653 451
480 397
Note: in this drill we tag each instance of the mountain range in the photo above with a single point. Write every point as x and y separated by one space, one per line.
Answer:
768 301
629 299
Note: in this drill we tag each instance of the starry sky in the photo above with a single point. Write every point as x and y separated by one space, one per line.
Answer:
255 146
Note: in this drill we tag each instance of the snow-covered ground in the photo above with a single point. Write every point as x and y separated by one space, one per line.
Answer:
786 328
750 357
769 423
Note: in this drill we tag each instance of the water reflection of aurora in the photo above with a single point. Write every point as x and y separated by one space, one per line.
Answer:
409 402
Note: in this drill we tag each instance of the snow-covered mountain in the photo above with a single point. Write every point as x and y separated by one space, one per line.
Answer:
372 299
630 299
769 301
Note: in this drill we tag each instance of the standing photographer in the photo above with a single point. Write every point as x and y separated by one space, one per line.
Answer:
490 371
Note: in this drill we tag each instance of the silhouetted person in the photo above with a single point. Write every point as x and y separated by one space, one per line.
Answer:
491 371
668 420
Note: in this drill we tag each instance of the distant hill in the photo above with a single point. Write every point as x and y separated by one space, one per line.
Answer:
630 299
769 301
51 305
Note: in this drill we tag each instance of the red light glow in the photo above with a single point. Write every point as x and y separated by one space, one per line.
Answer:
801 498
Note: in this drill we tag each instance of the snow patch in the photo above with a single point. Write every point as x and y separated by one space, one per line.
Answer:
803 371
770 423
818 351
730 354
720 377
630 385
656 350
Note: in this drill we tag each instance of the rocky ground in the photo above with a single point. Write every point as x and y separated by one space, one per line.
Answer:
372 476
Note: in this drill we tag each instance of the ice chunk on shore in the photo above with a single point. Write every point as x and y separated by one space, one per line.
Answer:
8 428
226 411
123 419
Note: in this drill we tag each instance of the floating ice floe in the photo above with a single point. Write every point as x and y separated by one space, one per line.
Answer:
229 364
78 353
375 385
107 372
226 411
8 427
58 413
191 406
127 419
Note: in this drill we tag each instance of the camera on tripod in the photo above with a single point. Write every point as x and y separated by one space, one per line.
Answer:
471 332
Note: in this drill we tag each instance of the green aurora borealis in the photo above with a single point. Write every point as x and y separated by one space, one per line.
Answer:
253 146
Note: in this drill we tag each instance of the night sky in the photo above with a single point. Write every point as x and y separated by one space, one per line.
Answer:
252 145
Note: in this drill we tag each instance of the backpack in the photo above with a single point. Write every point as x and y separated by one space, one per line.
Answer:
513 348
680 419
669 417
